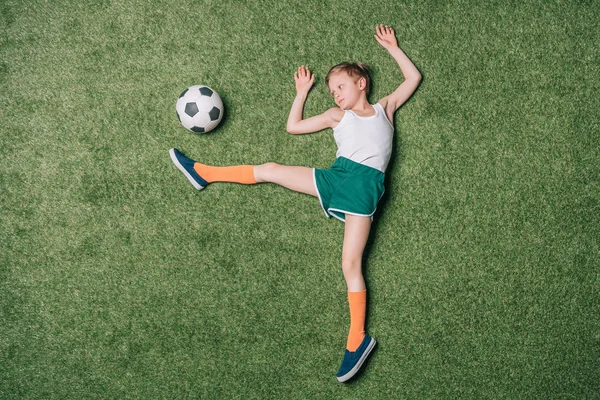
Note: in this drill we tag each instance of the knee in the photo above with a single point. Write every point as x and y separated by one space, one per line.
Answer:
270 166
351 265
266 172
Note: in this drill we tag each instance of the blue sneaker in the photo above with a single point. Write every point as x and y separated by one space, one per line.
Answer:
186 165
353 360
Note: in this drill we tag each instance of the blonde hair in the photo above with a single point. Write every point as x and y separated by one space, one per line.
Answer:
355 70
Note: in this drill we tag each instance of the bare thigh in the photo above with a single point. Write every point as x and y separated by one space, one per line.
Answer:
298 179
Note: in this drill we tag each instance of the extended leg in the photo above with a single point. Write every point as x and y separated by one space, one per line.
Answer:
299 179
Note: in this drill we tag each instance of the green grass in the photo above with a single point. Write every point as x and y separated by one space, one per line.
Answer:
118 280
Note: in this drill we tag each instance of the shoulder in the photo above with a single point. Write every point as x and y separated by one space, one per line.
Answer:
335 114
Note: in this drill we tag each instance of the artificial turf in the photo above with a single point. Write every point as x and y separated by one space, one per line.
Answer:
119 280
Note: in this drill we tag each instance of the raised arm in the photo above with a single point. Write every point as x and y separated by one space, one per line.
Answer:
295 124
387 38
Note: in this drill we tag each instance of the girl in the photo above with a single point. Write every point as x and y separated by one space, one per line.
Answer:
351 188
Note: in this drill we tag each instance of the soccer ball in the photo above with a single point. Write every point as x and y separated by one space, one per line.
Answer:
199 109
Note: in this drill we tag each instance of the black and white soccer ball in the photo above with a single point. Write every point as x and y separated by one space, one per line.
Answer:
199 109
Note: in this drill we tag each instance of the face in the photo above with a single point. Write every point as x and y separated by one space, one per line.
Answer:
346 90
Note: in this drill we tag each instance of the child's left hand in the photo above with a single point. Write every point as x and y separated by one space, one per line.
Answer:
386 36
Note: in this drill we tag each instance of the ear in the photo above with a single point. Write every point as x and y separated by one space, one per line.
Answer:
362 83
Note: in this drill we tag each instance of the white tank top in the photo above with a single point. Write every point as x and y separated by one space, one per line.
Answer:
365 140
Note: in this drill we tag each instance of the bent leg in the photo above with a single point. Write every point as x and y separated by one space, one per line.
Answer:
298 179
356 234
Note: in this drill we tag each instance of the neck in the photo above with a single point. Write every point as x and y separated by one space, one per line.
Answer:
362 107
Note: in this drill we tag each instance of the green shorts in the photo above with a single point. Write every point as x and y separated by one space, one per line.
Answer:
348 187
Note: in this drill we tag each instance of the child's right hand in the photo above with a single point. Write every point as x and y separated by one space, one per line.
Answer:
304 80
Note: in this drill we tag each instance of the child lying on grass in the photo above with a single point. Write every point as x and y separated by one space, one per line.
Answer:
351 188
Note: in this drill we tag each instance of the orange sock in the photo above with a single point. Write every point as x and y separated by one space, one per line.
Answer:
358 311
237 174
